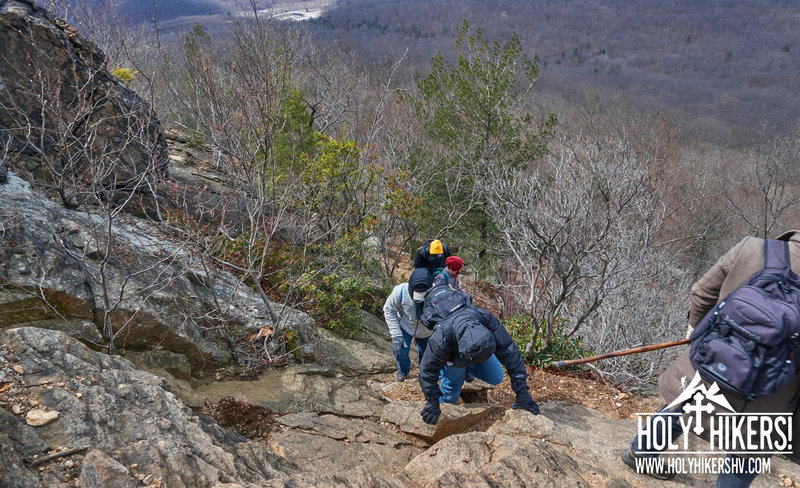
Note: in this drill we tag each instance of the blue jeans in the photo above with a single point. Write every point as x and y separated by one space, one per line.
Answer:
734 480
403 360
490 371
724 480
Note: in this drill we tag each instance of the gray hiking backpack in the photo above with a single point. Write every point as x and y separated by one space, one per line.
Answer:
441 302
748 343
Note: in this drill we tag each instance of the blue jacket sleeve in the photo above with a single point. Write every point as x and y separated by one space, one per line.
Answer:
506 351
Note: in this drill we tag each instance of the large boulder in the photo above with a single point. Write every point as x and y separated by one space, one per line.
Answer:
63 110
353 357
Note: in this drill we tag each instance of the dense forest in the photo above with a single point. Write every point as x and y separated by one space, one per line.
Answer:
723 61
588 159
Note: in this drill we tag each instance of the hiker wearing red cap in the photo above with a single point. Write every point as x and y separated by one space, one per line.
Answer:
449 275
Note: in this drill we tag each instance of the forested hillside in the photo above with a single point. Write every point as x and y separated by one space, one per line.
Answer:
202 216
729 61
586 188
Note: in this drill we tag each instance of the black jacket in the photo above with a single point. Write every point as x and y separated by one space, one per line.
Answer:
433 262
443 349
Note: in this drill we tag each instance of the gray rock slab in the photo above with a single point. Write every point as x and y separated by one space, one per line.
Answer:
327 444
321 455
352 357
344 429
302 388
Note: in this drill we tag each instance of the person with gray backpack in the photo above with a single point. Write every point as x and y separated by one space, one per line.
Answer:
744 320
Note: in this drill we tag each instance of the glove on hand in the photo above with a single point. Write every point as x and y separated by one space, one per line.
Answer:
525 402
397 344
430 414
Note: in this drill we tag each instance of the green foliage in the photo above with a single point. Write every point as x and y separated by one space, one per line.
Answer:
295 136
125 74
195 37
336 301
197 140
475 96
329 283
343 293
472 110
560 348
338 185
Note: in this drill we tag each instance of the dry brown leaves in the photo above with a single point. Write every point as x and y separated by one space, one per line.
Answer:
251 421
581 389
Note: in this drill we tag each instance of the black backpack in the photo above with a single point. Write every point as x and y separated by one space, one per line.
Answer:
475 342
749 342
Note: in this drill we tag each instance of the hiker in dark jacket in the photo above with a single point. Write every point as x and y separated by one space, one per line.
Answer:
731 270
432 255
468 338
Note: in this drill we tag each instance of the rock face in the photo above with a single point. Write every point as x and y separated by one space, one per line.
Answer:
78 110
132 426
128 430
50 277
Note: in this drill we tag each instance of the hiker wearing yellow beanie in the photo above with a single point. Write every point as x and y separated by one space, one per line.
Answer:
432 255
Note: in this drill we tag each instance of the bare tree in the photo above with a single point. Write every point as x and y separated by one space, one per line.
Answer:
579 226
762 189
242 105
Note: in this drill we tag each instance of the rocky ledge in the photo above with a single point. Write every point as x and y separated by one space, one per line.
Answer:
71 416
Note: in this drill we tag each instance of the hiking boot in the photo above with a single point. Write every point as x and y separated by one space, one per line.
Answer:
400 377
469 377
629 457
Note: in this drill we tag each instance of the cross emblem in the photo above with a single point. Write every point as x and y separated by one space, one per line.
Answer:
698 408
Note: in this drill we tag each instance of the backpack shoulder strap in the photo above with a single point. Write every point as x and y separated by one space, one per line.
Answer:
776 255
